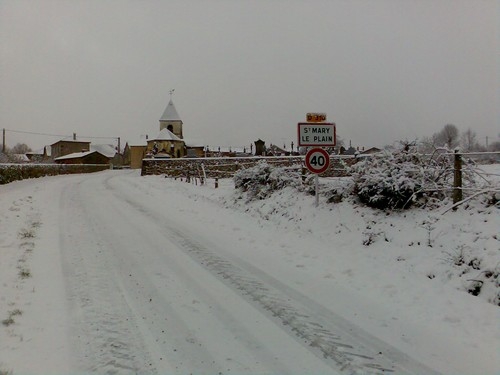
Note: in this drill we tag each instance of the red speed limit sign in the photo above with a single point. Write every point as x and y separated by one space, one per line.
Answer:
317 160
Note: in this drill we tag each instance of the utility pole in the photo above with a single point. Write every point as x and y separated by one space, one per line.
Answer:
3 140
119 152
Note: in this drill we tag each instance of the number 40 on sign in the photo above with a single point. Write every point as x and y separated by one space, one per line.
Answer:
317 160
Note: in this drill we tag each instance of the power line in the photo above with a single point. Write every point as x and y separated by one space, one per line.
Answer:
80 136
35 133
55 135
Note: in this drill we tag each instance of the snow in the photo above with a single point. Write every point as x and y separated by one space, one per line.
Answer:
96 268
76 155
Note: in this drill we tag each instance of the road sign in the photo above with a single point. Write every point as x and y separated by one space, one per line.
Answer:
316 117
322 134
317 160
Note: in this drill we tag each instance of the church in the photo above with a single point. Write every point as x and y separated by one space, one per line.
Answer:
170 141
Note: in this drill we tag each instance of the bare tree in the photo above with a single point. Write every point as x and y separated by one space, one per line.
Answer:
468 140
447 136
426 145
495 146
20 148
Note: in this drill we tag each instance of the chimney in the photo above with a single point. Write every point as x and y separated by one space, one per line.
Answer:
74 136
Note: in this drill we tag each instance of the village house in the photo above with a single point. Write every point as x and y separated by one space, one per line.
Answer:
86 157
66 147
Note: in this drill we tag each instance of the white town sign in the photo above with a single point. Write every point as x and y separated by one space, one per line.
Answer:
318 134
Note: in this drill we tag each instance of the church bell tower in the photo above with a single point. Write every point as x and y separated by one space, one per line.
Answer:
171 119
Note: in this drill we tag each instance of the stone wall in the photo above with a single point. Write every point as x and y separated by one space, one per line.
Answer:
226 167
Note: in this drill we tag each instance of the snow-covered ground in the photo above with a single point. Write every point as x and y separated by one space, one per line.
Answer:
114 272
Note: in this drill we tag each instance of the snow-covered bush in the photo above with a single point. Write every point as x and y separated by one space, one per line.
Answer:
261 180
401 179
15 172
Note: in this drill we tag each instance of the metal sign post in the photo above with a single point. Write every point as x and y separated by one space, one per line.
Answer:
317 161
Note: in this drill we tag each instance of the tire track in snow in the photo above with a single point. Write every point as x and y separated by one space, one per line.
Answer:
294 319
340 343
105 342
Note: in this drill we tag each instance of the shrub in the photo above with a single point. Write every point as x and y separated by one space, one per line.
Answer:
401 179
15 172
261 180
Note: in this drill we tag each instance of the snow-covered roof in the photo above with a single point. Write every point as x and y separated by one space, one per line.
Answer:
106 150
225 149
77 155
170 113
13 158
166 135
70 141
193 142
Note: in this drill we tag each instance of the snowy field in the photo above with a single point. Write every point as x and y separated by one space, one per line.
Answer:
116 273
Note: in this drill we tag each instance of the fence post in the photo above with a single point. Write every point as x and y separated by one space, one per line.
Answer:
216 182
457 178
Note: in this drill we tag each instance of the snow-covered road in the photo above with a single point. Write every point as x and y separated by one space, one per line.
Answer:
135 280
152 294
143 302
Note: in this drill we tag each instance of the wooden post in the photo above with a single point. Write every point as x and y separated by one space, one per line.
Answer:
216 183
457 179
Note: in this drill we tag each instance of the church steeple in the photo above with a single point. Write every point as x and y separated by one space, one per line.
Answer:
170 119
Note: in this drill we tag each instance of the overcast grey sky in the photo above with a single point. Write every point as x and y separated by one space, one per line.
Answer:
382 70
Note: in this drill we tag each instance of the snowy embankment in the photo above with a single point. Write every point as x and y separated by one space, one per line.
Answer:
408 277
403 277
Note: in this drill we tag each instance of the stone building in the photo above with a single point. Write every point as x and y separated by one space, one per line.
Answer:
166 143
66 147
169 142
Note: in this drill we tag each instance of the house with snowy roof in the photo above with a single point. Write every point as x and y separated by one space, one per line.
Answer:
134 152
68 146
109 151
85 157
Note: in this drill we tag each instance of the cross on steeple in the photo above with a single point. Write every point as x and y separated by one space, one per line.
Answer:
171 92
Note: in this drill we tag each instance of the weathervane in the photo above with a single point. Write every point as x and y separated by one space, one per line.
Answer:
171 92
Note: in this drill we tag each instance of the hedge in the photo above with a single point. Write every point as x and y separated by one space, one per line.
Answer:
15 172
